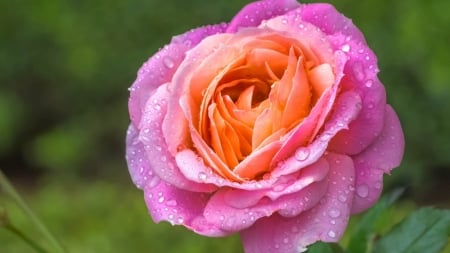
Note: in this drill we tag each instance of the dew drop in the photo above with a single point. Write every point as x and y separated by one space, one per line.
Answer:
154 181
171 202
334 213
168 62
202 176
346 48
369 83
331 234
161 199
342 198
358 71
286 240
378 185
362 190
302 154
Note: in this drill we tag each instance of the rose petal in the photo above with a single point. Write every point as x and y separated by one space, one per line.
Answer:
254 13
347 107
361 77
161 162
304 133
137 160
329 20
161 66
234 210
181 207
383 155
326 221
177 134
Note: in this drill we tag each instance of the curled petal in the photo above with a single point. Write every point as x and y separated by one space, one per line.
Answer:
254 13
379 158
137 160
160 160
234 210
345 111
160 68
329 20
168 203
361 77
326 221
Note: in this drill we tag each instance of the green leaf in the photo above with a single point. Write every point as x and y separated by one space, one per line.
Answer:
364 232
321 247
425 230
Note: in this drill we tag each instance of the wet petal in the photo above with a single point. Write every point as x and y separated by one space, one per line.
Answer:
307 130
326 221
329 20
381 157
254 13
361 77
168 203
160 160
234 210
346 109
160 68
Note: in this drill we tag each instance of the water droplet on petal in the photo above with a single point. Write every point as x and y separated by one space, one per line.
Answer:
358 71
302 154
168 62
342 198
334 213
154 181
286 240
369 83
171 202
362 190
331 234
346 48
161 199
202 176
378 185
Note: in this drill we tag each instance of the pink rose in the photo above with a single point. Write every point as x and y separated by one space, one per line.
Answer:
274 125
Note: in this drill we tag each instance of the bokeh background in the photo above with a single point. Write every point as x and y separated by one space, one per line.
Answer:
65 67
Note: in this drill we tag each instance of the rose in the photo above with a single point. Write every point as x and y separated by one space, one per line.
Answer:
274 125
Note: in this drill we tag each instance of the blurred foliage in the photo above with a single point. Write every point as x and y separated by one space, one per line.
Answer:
101 217
65 67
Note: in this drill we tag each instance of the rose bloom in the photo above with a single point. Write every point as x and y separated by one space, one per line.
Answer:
274 125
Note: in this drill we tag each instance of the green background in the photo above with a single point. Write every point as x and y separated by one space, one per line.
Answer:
65 67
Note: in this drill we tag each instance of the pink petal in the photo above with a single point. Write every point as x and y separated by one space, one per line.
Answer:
329 20
234 210
303 134
180 207
326 221
361 77
254 13
160 67
346 109
137 160
381 157
160 160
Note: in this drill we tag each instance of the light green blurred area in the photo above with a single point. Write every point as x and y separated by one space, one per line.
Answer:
65 67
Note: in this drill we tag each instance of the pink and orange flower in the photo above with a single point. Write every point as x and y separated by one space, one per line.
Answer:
274 125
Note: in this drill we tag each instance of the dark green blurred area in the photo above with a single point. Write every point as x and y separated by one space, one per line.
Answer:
65 67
